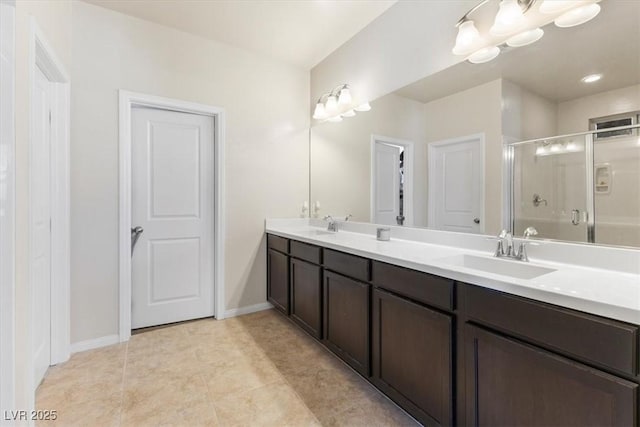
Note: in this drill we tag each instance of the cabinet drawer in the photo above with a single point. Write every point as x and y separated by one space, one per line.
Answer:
306 252
349 265
607 342
419 286
278 243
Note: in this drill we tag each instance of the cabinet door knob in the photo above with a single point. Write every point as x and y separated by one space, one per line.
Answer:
476 220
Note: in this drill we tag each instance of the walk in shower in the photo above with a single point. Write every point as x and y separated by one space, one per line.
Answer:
581 187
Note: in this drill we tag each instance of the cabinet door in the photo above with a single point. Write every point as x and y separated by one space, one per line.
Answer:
306 296
346 320
278 280
412 357
510 383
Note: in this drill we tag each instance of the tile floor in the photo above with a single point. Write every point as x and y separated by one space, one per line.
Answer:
257 370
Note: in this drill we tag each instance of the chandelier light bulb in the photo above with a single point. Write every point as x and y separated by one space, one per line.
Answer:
508 19
525 37
578 16
319 113
345 96
468 37
331 106
484 55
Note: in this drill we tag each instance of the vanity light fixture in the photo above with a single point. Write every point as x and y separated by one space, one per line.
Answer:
511 26
591 78
333 106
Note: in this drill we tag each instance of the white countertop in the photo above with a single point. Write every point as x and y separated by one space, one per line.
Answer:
605 292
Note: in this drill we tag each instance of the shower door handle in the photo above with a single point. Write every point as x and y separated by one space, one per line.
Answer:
135 235
575 217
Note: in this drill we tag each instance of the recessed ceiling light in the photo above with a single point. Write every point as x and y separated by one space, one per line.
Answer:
591 78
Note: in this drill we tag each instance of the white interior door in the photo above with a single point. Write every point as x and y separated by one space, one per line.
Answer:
456 185
40 225
386 176
172 200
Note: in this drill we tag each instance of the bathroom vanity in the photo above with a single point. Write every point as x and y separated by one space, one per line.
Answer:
455 345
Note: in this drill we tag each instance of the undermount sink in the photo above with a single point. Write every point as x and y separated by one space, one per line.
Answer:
517 269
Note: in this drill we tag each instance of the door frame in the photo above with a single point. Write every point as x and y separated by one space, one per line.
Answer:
431 181
43 56
127 101
8 205
408 175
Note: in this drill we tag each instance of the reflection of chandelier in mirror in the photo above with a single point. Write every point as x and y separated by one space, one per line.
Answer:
512 27
335 105
546 148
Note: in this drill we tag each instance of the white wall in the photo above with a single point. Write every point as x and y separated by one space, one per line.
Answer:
54 19
574 115
341 157
527 115
476 110
266 148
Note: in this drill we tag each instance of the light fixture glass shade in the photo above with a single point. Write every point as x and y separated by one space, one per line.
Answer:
331 106
335 119
578 15
363 107
467 39
509 18
345 97
349 113
484 55
556 6
319 113
525 37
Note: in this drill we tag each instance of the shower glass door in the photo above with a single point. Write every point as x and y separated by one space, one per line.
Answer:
581 188
549 188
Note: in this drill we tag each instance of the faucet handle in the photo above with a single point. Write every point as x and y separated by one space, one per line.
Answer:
328 218
348 217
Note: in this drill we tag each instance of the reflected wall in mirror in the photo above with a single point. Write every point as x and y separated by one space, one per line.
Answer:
450 129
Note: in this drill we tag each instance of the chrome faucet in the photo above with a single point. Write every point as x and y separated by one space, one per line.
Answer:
509 252
332 224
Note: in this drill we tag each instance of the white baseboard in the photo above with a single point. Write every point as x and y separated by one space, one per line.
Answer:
248 309
77 347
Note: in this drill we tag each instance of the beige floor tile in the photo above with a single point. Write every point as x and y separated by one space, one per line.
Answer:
271 405
254 370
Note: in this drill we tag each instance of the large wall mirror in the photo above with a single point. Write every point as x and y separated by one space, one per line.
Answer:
432 154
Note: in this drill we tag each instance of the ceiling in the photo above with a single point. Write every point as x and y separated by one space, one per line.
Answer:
553 66
299 32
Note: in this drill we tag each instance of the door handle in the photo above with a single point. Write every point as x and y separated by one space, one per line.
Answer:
135 235
575 217
476 220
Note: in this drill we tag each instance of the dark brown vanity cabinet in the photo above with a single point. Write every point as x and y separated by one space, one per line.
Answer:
528 363
450 353
412 357
516 384
346 319
412 341
306 296
278 273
